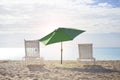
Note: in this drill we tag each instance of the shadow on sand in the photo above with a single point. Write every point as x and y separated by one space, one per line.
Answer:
91 68
37 68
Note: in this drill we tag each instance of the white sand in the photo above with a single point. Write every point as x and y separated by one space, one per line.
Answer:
53 70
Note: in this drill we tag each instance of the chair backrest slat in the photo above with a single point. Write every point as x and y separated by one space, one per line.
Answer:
32 49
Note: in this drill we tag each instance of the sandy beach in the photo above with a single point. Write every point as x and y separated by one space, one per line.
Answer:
53 70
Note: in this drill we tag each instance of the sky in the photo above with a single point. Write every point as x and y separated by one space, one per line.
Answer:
33 19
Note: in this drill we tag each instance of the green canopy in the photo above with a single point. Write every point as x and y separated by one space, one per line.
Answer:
60 35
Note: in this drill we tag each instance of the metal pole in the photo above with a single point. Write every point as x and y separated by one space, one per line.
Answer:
61 52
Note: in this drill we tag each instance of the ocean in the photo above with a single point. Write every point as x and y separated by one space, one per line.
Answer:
98 53
106 53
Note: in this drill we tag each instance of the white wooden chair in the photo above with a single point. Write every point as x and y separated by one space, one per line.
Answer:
86 53
32 52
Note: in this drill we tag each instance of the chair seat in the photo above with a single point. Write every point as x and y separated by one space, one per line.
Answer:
92 59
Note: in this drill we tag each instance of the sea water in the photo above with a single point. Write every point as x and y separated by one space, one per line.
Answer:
98 53
106 53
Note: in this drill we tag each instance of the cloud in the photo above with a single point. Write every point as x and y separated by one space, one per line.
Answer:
104 5
37 16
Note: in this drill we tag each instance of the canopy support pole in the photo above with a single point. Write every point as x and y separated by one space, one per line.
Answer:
61 52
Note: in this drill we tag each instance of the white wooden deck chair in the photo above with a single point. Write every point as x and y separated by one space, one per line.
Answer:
32 52
86 53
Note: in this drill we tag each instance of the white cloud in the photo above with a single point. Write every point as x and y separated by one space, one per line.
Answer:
84 1
35 16
45 1
104 5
